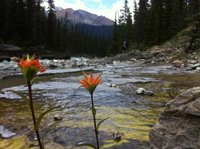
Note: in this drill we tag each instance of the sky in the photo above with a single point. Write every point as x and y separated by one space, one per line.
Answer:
105 8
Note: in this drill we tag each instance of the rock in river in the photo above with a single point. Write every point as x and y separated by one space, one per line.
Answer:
142 91
179 125
5 133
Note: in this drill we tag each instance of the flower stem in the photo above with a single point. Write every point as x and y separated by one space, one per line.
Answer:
94 120
33 115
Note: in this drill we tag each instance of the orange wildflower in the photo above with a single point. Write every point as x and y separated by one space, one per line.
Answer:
90 82
30 67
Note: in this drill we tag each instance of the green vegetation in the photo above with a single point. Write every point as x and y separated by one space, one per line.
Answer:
27 24
155 22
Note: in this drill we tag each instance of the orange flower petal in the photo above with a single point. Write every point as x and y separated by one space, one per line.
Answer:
90 82
30 67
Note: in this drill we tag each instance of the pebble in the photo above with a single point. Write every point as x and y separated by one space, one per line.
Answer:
5 133
143 91
57 118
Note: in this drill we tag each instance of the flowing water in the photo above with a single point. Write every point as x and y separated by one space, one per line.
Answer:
128 113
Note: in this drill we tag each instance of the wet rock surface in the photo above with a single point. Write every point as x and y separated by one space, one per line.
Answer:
178 126
130 114
142 91
10 69
6 133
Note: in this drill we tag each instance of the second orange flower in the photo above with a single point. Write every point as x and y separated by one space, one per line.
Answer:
90 82
30 67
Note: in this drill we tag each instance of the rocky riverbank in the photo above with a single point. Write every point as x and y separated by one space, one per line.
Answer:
135 57
178 126
131 112
137 85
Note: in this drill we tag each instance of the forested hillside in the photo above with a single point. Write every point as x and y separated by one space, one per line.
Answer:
27 24
155 21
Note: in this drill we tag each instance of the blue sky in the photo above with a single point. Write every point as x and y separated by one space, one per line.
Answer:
106 8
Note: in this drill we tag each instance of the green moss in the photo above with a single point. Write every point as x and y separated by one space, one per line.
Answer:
19 142
22 142
134 123
112 143
169 85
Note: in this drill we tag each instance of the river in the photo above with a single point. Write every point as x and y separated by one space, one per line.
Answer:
116 98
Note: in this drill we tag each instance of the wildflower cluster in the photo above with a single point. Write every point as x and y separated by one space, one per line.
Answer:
30 67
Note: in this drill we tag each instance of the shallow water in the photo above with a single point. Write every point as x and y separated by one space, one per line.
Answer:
130 114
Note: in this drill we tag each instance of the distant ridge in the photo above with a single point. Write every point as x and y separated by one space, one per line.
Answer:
83 17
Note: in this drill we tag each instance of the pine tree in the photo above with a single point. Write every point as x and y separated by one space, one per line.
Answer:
51 26
27 24
125 26
135 17
31 22
129 28
13 28
9 19
22 15
124 13
167 15
178 16
193 7
156 21
40 24
114 47
194 33
141 21
3 17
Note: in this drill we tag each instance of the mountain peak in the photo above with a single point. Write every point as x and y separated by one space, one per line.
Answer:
58 8
83 17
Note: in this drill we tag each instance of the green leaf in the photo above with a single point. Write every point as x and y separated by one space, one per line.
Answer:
42 142
35 79
39 119
93 111
23 97
86 144
100 122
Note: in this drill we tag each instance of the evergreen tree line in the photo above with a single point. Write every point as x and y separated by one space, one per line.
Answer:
27 24
152 22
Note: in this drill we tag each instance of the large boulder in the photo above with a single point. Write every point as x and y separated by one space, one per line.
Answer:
179 125
178 63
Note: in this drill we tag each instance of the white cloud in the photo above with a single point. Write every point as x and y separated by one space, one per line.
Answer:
102 9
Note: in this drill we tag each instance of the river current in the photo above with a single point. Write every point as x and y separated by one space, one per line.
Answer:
128 113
